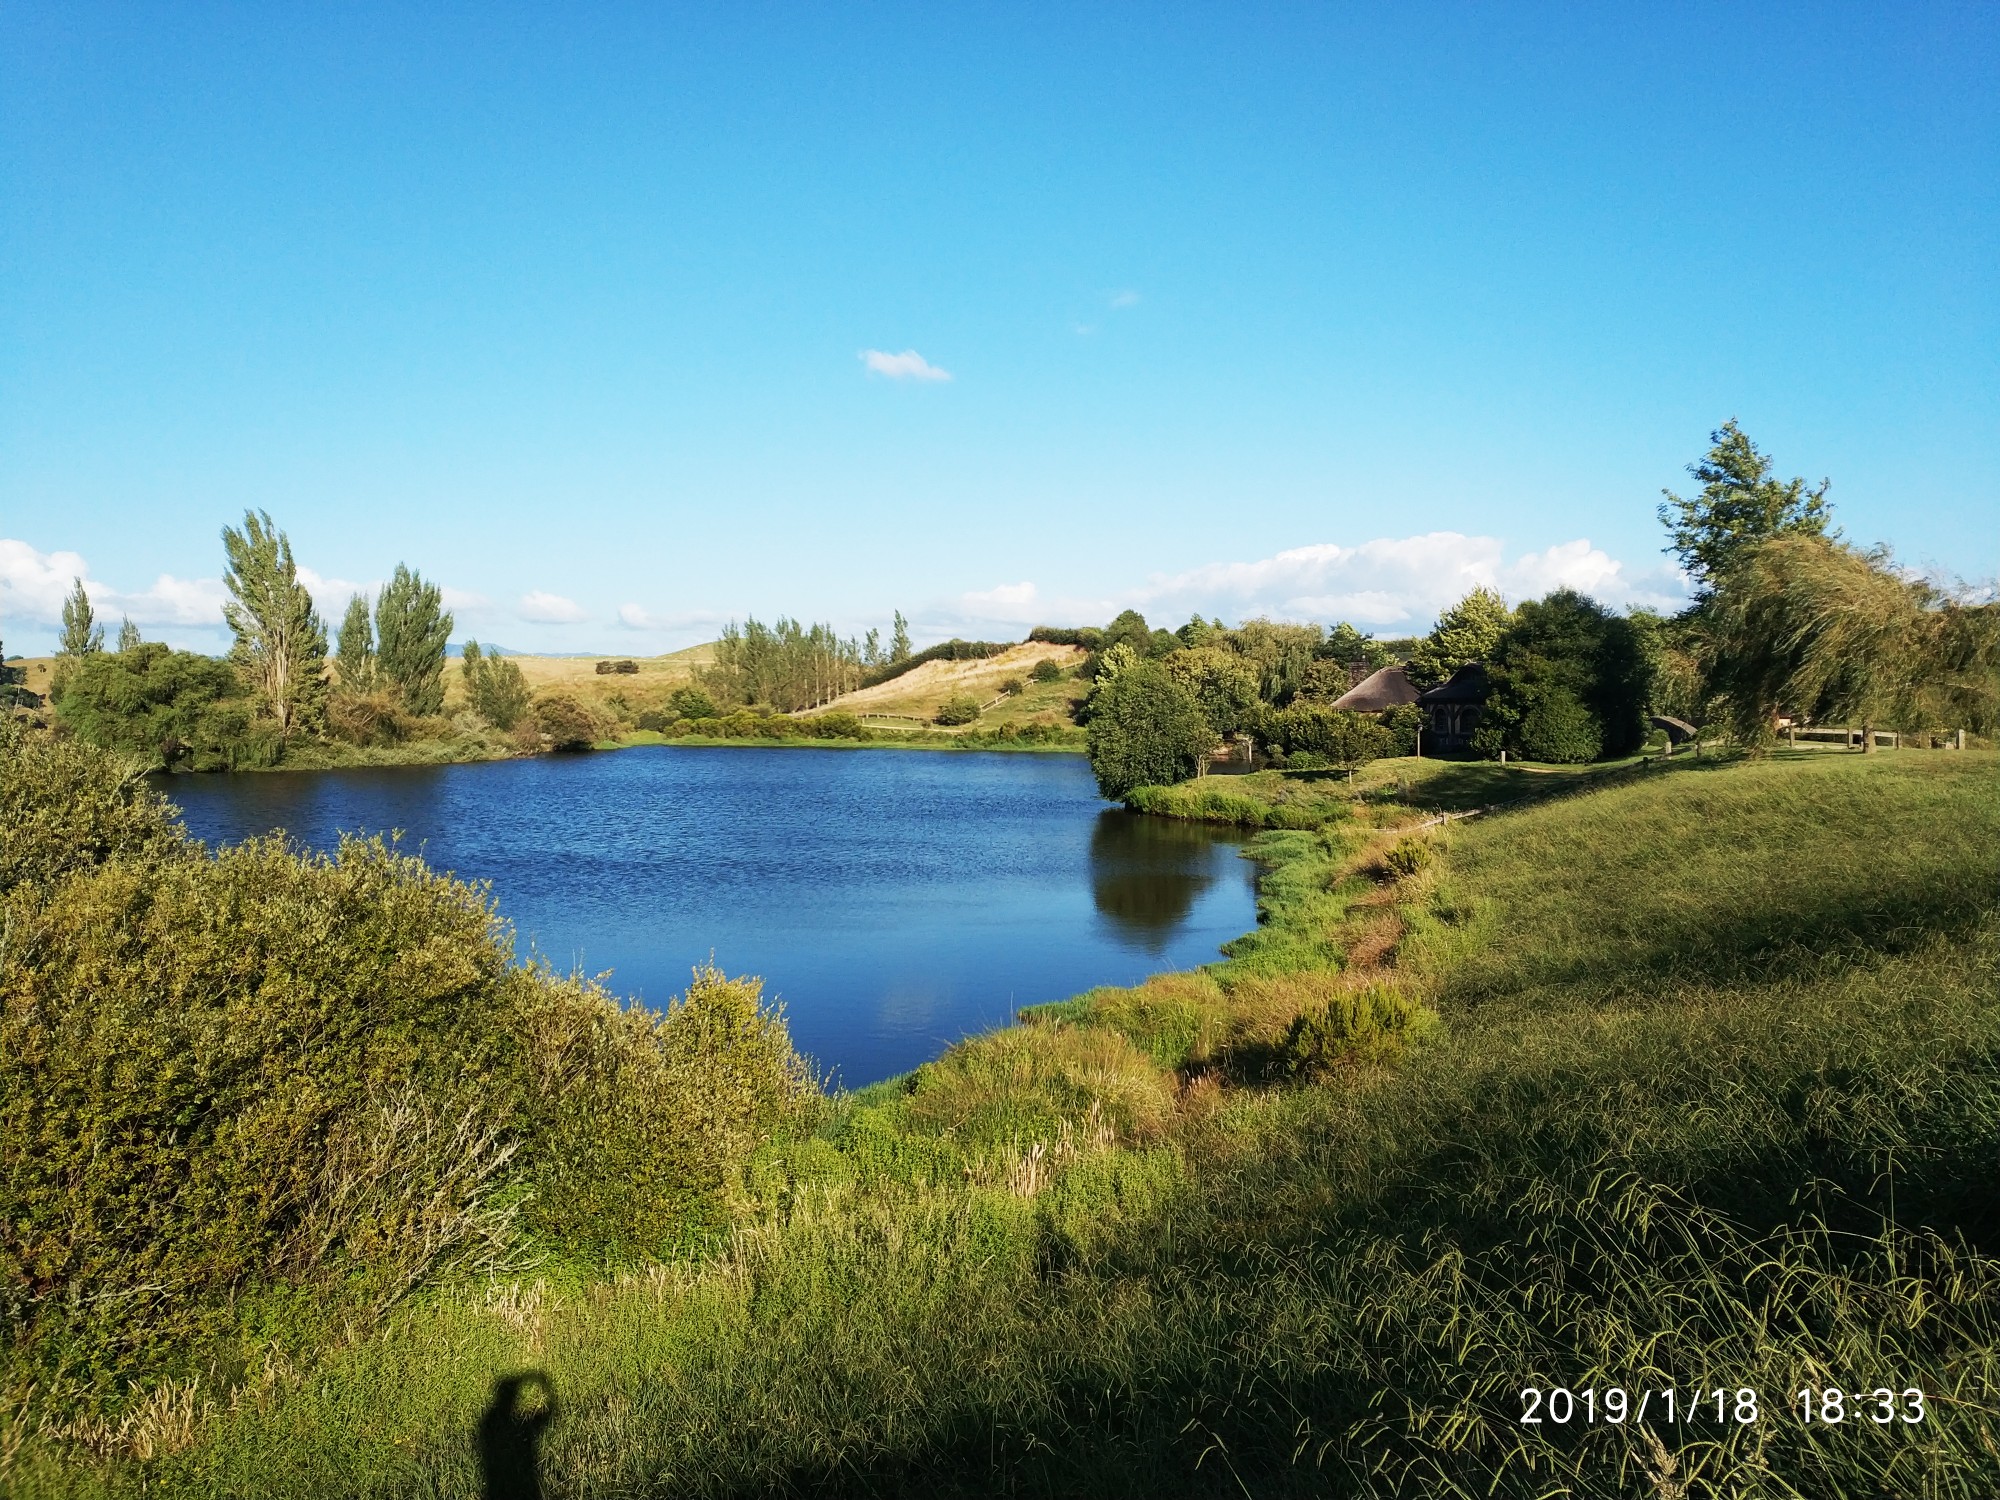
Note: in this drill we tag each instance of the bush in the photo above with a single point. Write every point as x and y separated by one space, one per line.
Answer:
690 703
1145 730
566 723
605 668
1088 637
958 709
66 806
1046 670
271 1075
1407 856
1558 728
495 686
836 726
1013 687
375 718
1377 1024
154 703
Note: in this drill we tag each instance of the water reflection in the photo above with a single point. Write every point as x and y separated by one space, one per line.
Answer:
1147 873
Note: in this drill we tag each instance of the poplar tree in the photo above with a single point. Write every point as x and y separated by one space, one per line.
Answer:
356 652
899 640
412 630
280 649
128 634
81 634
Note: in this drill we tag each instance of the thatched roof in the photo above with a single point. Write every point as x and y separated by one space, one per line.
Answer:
1467 685
1389 687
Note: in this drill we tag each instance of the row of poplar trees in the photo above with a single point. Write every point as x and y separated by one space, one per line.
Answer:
396 650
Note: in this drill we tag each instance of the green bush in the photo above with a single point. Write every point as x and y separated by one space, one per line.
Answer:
690 703
1046 670
160 705
1377 1024
960 708
565 722
1013 687
836 726
66 806
319 1079
1409 855
1558 728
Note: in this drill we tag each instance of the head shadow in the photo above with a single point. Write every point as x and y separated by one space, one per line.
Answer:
510 1434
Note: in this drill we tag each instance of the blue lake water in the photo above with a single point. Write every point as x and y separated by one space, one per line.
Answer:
893 901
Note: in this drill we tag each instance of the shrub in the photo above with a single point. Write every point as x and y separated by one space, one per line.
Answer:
605 668
1407 856
690 703
1089 636
375 718
494 686
836 726
566 723
1046 670
957 709
654 720
153 703
312 1077
1013 687
1558 728
67 806
1377 1024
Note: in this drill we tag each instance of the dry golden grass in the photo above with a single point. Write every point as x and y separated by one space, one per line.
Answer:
917 693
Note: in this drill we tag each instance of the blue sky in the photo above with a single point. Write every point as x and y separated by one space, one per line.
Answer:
1310 310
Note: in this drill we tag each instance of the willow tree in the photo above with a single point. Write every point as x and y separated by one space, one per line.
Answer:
1823 631
280 649
412 630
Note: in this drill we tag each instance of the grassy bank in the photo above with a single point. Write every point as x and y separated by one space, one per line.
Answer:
1687 1080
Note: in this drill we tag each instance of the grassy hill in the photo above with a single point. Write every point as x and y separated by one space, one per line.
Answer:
1683 1080
918 692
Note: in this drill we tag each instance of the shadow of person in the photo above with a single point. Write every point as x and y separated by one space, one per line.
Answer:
510 1431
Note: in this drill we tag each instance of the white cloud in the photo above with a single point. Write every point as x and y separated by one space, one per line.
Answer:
1396 585
1125 299
33 585
544 608
909 365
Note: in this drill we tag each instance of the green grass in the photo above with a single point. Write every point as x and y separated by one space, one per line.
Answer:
1712 1101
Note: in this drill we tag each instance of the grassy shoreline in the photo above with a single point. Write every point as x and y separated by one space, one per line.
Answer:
1143 1243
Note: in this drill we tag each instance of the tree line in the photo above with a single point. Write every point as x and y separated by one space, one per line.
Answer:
278 683
1788 622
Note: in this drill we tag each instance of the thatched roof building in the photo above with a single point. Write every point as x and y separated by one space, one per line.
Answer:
1452 709
1387 688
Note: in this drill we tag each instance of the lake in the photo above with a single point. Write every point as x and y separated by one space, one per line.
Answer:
895 901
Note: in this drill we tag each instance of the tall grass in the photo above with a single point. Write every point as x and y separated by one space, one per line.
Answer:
1712 1103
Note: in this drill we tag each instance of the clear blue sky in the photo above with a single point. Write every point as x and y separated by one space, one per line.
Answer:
567 305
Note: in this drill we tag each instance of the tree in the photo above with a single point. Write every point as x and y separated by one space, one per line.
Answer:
81 634
128 634
151 702
280 643
1807 625
494 686
899 640
412 630
355 652
1467 632
1223 683
1570 682
1145 730
1740 505
871 649
1347 646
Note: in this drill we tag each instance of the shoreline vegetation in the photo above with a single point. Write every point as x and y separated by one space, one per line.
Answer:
1603 1088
